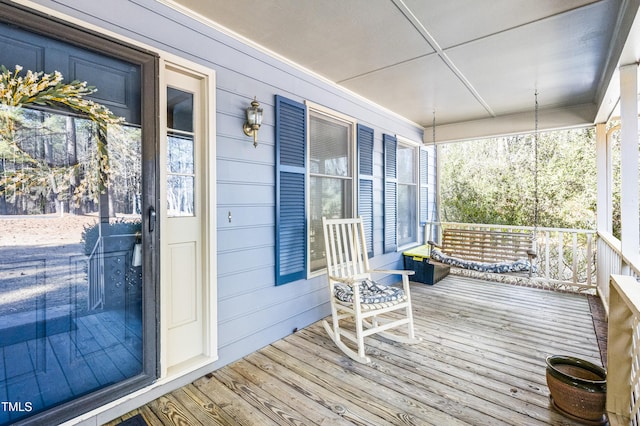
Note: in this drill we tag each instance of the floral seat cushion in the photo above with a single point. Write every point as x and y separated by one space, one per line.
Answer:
370 293
520 265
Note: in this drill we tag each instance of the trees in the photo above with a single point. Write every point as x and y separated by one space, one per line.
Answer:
51 159
492 180
67 149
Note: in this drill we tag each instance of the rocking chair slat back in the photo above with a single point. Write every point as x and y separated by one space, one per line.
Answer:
344 240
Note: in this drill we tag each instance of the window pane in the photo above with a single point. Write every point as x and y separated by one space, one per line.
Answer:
331 198
179 110
407 232
330 147
180 195
407 195
330 155
406 164
180 154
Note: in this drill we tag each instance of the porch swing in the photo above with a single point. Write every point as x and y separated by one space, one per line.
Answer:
491 251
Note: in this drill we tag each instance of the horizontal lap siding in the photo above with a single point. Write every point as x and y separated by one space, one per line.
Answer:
252 310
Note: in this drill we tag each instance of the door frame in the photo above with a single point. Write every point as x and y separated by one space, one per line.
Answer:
208 203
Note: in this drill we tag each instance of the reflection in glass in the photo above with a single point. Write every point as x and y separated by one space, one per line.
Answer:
332 199
331 183
70 296
407 201
180 154
406 164
180 195
179 110
329 147
407 222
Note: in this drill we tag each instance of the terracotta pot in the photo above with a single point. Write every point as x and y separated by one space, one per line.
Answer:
578 388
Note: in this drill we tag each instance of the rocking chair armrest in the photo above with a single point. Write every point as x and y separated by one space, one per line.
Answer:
394 271
348 281
434 244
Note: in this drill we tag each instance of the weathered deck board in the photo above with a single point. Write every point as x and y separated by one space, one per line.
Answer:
481 362
282 391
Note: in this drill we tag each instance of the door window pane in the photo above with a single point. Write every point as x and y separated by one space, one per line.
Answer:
180 155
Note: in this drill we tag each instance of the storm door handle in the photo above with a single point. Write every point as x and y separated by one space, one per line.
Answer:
152 219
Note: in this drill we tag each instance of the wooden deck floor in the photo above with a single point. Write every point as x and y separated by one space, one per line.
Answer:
482 362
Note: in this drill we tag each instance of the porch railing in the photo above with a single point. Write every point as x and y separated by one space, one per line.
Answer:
611 261
619 289
566 258
623 374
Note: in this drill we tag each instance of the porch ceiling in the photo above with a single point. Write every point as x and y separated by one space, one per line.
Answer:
477 64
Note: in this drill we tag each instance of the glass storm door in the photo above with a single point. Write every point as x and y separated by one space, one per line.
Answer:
71 268
72 196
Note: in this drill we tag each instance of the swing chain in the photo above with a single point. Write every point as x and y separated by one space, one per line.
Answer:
535 169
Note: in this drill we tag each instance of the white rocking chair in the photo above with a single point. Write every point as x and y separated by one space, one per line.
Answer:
355 296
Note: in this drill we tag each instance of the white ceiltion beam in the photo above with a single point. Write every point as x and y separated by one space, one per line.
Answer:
445 58
514 124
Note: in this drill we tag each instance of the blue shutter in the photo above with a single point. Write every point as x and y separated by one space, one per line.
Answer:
365 183
424 188
291 229
390 193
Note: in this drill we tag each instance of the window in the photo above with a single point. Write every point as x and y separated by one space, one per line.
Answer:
317 175
407 195
331 183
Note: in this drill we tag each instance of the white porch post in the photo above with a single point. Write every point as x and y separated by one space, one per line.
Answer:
604 184
630 228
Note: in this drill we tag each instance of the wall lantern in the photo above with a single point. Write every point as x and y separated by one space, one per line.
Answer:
254 120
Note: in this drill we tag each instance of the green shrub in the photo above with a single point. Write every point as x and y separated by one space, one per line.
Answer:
117 227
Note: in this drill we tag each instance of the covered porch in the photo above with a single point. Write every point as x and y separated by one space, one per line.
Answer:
482 361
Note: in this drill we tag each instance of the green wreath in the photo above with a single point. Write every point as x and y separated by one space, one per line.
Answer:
41 89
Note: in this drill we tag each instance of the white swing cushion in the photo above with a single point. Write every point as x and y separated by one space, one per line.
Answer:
370 293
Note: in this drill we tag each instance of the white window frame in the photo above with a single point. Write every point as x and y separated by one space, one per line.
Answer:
408 143
313 108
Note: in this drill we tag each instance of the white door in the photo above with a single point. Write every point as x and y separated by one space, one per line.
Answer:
184 252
